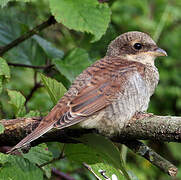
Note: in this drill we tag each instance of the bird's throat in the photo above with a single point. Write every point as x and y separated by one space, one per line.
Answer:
144 58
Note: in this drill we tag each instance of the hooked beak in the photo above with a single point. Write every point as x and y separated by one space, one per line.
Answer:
159 52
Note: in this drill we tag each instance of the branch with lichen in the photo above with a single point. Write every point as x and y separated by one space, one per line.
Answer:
161 128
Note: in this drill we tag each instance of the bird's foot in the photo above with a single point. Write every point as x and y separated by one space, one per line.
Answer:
141 115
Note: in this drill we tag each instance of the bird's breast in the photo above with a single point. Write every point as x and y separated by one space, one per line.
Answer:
134 98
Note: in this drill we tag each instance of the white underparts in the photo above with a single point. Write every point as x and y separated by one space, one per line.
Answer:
112 119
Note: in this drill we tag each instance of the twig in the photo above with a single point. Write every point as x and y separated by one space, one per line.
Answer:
154 158
61 174
27 35
90 169
30 66
37 86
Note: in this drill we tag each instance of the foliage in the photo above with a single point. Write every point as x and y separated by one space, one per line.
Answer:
14 167
4 72
55 89
17 100
56 55
88 16
73 64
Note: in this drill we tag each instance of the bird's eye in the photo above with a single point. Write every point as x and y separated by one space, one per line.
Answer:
137 46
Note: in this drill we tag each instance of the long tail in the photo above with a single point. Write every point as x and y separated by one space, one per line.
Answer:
39 131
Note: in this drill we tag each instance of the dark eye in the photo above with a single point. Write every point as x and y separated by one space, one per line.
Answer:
137 46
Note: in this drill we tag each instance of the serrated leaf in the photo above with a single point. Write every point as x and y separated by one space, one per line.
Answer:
16 168
1 84
73 64
4 72
85 16
4 69
32 114
55 89
40 155
49 49
1 128
17 100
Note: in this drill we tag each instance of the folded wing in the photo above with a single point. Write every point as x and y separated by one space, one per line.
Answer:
96 93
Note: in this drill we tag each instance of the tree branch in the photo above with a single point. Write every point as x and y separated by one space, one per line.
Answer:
161 128
61 174
30 66
27 35
154 158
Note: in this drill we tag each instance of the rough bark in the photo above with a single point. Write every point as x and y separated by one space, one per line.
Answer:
144 127
161 128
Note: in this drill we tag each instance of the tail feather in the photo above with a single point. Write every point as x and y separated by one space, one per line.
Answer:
39 131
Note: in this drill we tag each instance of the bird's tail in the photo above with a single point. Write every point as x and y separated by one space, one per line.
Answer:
39 131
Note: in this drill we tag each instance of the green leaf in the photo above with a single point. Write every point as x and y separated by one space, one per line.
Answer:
12 26
105 146
3 3
32 114
1 128
55 89
108 150
73 64
49 49
85 16
1 84
82 153
18 101
4 69
4 72
103 171
40 155
95 160
17 168
132 175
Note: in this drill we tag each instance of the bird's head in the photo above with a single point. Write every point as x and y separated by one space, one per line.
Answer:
135 46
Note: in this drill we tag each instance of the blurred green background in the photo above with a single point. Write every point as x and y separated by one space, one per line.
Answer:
159 18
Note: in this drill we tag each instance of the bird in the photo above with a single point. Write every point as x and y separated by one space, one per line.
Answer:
106 95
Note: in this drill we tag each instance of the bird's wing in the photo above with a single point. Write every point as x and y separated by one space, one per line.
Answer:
103 83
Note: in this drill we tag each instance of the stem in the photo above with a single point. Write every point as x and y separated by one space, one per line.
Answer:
141 149
27 35
61 174
30 66
37 86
